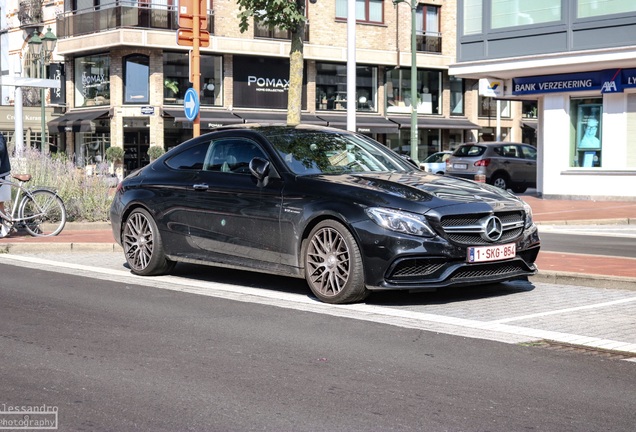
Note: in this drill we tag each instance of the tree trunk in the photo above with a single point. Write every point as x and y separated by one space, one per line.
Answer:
296 65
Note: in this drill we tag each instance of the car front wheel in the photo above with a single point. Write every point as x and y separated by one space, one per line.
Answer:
333 264
143 247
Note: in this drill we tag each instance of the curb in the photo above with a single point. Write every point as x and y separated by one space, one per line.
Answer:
585 279
27 248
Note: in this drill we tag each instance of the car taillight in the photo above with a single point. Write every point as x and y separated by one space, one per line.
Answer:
482 162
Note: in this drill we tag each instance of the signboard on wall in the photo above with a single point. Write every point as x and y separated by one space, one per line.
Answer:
58 95
263 82
604 81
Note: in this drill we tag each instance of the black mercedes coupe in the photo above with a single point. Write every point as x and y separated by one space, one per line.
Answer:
334 207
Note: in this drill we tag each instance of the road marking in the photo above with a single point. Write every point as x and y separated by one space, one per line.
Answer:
567 310
490 330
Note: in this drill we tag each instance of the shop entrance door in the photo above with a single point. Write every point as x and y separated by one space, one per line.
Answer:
136 143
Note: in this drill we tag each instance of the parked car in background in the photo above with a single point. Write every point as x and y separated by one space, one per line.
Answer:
505 165
334 207
436 163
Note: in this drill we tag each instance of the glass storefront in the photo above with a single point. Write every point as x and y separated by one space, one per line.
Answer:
398 91
586 115
92 80
176 79
331 87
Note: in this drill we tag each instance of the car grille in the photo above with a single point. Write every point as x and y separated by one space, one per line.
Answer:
415 267
434 271
488 271
468 230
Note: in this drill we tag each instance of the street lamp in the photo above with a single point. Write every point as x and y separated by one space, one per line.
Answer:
414 144
48 42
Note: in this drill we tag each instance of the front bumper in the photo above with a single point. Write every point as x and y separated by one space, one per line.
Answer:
408 263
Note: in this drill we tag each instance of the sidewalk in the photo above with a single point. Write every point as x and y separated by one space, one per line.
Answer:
554 267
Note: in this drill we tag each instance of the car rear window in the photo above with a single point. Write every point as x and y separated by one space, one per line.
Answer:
470 150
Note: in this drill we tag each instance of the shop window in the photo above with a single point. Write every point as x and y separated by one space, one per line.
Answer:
331 87
398 91
488 107
370 11
92 80
137 79
586 116
176 79
457 96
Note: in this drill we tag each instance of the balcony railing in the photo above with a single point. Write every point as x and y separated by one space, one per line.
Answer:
263 31
121 15
429 42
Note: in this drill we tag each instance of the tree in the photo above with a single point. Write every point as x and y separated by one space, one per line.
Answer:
287 15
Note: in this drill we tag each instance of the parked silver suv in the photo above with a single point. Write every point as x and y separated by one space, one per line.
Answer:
504 164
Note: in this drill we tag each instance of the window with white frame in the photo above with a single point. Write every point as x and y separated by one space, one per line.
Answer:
371 11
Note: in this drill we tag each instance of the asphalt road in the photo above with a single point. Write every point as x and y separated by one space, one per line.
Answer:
117 356
610 240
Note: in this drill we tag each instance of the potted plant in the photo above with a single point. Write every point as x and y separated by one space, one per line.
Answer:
171 85
155 152
115 155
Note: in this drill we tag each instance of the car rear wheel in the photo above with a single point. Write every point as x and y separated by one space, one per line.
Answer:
501 181
143 247
333 264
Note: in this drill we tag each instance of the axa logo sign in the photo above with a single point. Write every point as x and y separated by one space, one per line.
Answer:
612 85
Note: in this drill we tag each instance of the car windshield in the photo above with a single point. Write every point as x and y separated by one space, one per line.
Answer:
470 150
314 152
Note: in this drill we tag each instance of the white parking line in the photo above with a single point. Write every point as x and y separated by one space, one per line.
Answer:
567 310
497 330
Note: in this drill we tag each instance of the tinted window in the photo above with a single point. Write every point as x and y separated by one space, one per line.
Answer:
190 159
231 155
316 152
470 150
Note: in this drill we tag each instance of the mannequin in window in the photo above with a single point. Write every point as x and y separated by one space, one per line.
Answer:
590 140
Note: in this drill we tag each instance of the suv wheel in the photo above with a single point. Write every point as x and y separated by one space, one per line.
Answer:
500 181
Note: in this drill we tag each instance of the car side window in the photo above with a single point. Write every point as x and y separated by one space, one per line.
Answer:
231 155
529 152
189 159
510 151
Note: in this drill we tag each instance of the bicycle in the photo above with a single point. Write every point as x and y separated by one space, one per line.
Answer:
38 210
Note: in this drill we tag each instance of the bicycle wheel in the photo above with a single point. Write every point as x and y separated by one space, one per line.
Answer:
43 213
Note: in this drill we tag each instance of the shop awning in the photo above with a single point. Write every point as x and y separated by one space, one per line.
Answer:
435 123
207 119
77 121
529 123
364 124
276 117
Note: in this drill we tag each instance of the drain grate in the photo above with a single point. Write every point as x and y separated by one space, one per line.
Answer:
579 349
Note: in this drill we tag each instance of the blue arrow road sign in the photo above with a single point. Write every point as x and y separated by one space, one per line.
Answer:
191 104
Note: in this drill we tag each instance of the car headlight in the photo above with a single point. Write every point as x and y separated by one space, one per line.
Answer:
528 210
401 221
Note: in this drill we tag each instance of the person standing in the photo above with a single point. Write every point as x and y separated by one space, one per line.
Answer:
5 189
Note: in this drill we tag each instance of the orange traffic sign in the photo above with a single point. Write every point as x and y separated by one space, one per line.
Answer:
185 37
186 14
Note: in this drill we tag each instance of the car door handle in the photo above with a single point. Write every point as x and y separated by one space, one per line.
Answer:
201 186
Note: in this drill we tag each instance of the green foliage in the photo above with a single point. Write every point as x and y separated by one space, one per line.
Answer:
155 151
284 14
115 154
171 85
86 198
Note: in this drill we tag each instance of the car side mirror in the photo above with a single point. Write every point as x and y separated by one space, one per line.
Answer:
260 169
